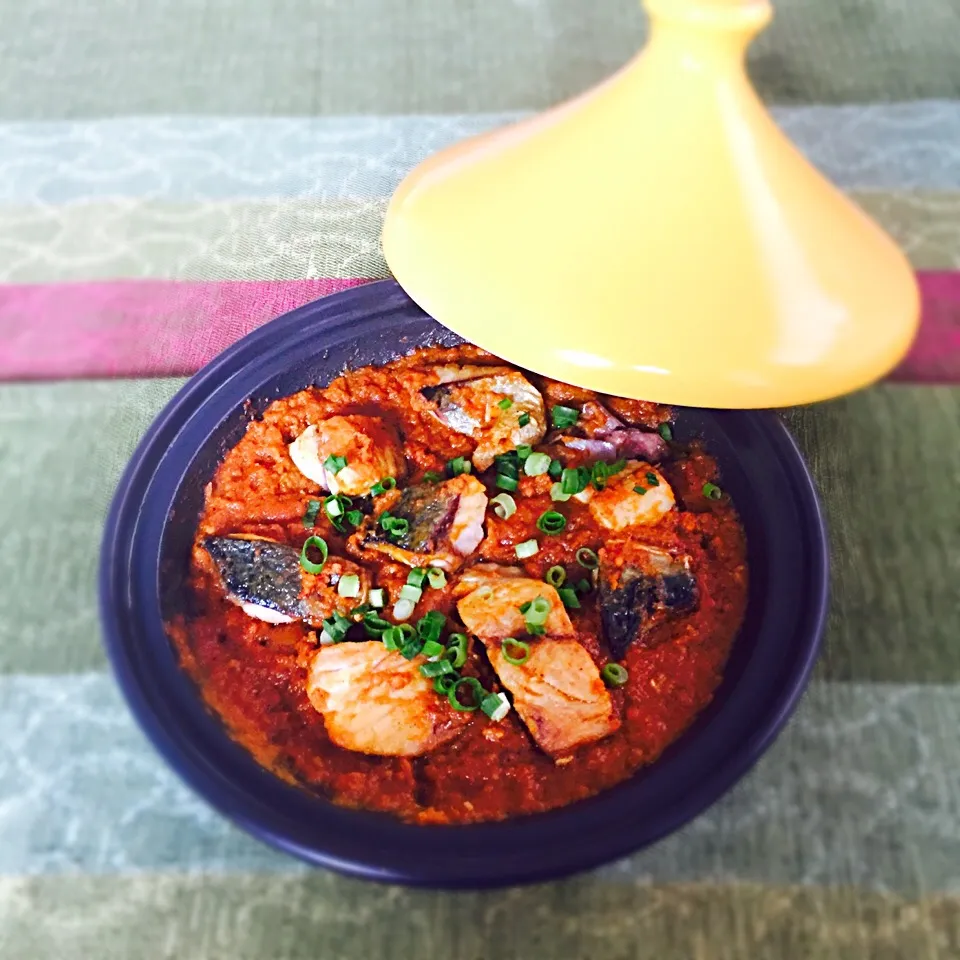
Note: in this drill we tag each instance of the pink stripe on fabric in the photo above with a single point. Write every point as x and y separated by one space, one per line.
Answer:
131 328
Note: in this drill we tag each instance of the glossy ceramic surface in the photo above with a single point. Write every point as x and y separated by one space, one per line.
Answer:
658 237
144 560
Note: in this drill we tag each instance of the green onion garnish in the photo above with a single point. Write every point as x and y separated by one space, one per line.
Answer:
477 694
505 482
536 611
555 576
334 464
396 527
536 464
444 684
430 625
456 652
583 585
433 650
417 576
665 431
413 594
523 419
318 544
587 558
354 517
615 467
524 451
551 522
376 597
555 469
334 507
564 416
382 486
526 549
515 651
557 495
349 586
504 403
374 624
436 578
431 476
504 506
435 669
653 480
411 648
393 638
495 705
334 629
614 675
403 609
640 490
712 492
599 474
574 479
569 597
459 465
310 517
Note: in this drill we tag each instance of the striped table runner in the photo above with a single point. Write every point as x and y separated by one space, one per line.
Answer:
174 175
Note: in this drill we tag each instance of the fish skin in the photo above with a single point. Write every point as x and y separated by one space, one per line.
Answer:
636 595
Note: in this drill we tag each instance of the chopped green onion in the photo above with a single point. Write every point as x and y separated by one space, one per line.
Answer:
375 625
334 464
587 558
456 652
614 675
354 517
396 527
403 609
318 544
640 490
376 598
557 495
665 431
551 522
515 651
459 465
555 576
417 576
569 597
413 594
504 506
575 479
393 638
382 486
443 685
536 611
477 694
556 469
583 585
310 517
325 639
505 482
431 476
712 492
496 706
437 668
430 625
526 549
599 474
335 628
332 507
615 467
564 416
349 586
536 464
436 578
524 451
653 479
523 419
411 648
433 650
504 403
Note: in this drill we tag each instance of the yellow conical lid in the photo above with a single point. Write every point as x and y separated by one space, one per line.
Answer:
658 237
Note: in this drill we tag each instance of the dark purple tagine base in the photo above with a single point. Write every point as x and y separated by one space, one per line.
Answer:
143 561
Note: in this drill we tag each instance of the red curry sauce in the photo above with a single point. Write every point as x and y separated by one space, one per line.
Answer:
251 672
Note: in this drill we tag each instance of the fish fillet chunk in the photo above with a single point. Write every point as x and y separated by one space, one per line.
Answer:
620 504
492 610
374 701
